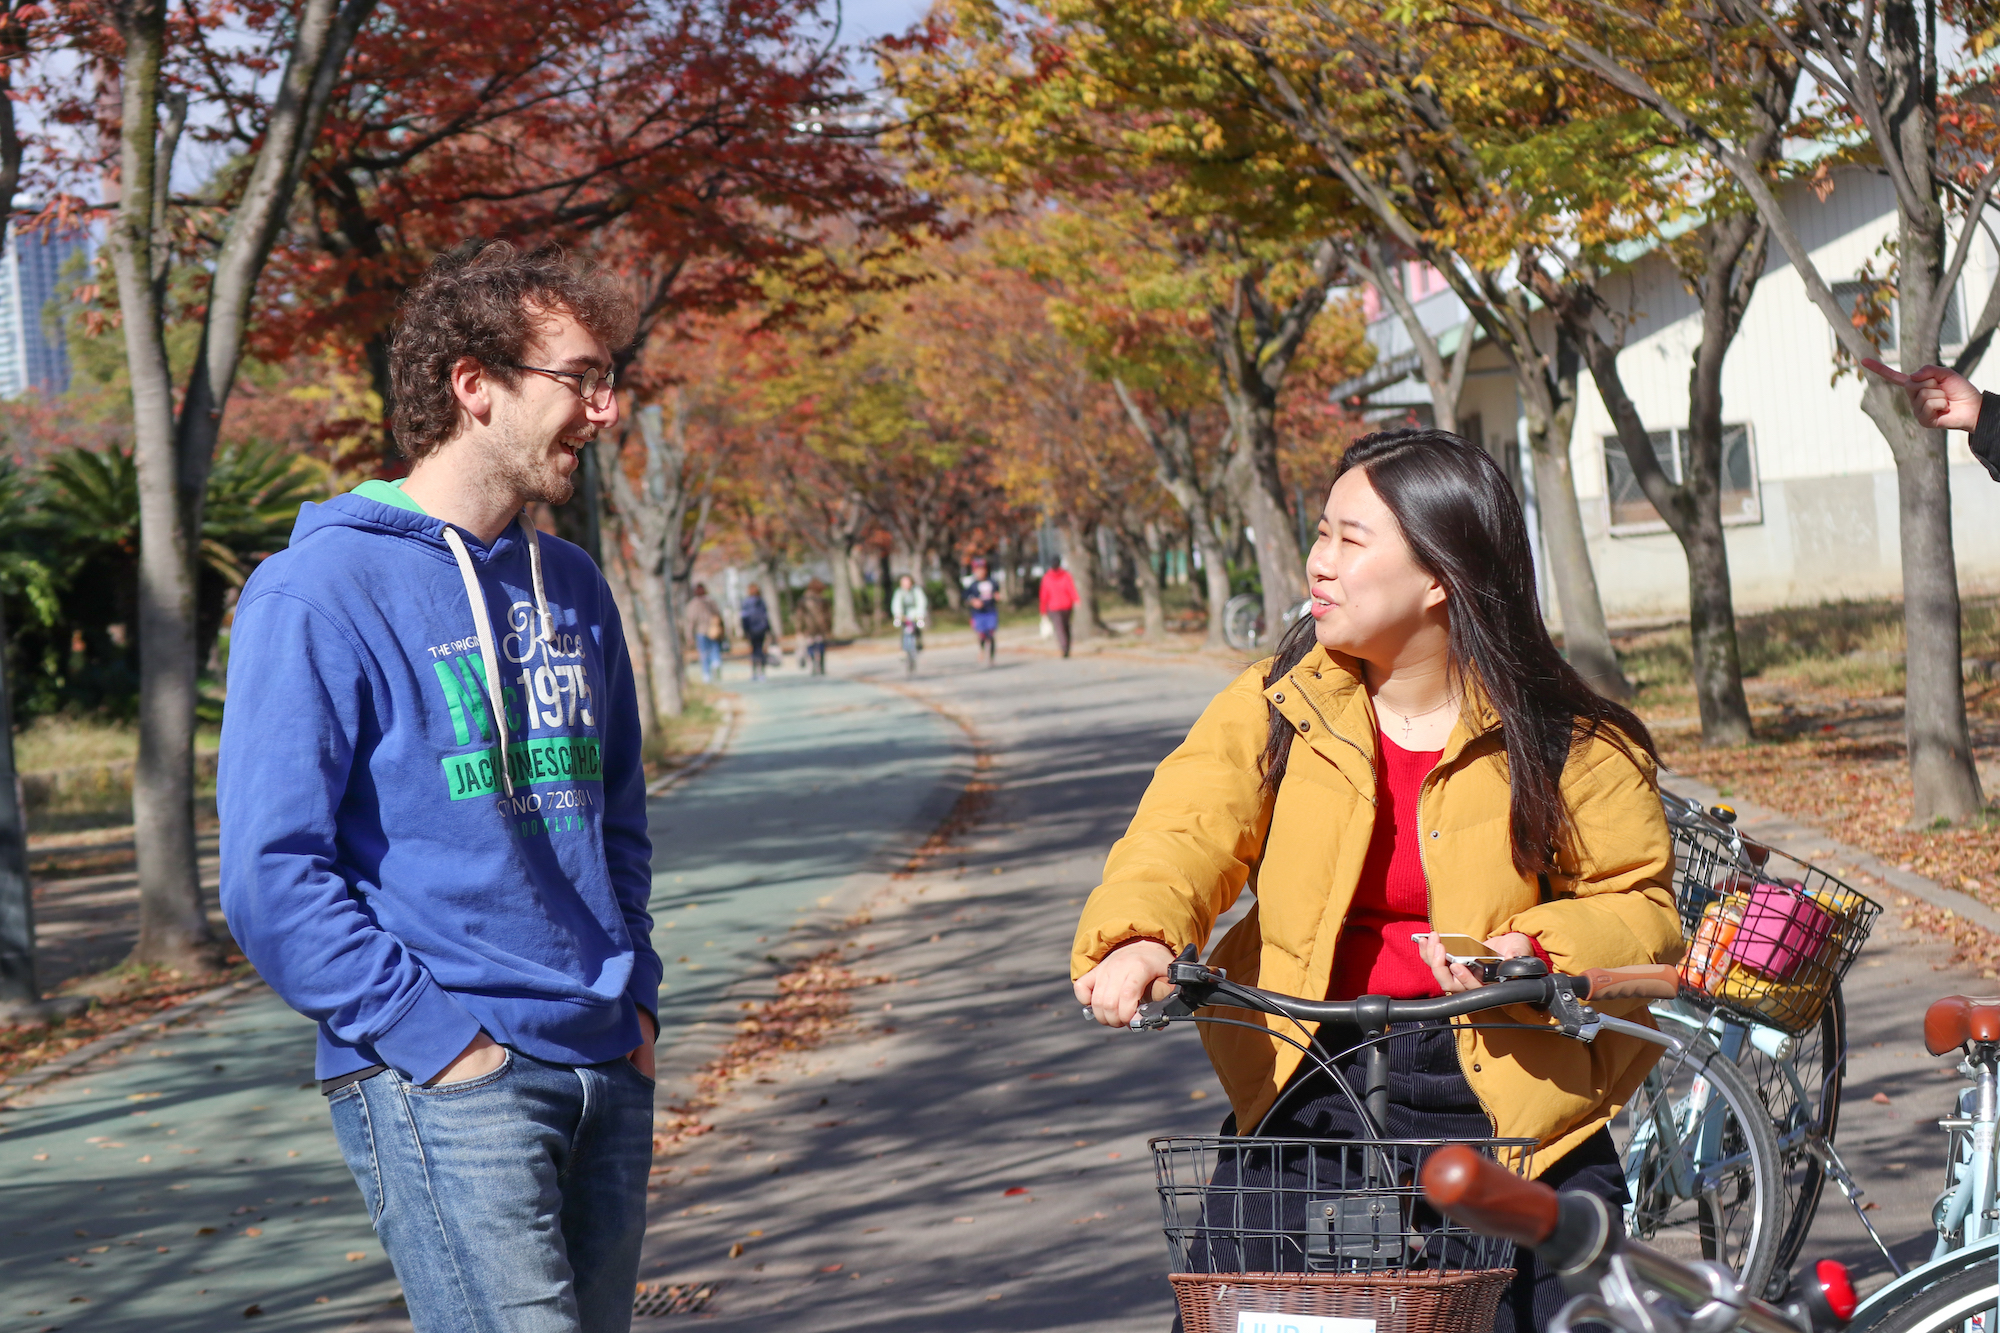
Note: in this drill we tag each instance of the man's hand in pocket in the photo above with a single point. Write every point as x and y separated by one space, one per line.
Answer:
481 1056
641 1055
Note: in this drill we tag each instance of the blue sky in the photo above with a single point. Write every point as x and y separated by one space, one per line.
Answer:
864 19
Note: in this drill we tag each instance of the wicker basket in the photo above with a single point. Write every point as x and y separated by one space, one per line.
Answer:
1436 1302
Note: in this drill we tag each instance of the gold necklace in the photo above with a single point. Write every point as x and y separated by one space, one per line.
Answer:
1411 717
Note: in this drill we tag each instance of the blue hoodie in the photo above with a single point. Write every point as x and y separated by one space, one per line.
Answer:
379 868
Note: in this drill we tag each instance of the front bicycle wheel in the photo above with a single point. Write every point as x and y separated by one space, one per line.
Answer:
1965 1302
1798 1081
1702 1165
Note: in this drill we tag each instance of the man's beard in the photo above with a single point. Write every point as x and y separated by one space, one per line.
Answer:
525 467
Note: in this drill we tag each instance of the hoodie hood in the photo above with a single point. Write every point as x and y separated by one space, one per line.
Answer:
358 509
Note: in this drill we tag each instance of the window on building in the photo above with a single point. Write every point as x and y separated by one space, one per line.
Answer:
1632 511
1951 330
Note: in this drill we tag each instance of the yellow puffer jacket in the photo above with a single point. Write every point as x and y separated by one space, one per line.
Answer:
1206 831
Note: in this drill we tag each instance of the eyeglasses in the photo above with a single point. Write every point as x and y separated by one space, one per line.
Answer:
589 383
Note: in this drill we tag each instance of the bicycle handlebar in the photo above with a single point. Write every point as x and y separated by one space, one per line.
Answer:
1488 1198
1623 1281
1519 981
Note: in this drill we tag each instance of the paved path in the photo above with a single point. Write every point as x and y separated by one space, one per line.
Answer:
976 1157
181 1183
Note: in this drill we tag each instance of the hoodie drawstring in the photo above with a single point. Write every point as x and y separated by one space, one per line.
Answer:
476 597
547 622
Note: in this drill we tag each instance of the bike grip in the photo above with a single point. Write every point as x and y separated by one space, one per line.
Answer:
1485 1196
1646 981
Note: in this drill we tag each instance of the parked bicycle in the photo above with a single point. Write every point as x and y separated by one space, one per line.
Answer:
1245 626
1333 1227
1635 1287
1770 938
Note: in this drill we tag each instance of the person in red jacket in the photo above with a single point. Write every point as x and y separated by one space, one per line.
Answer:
1058 600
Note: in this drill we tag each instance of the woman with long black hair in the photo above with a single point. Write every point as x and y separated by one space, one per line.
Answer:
1416 758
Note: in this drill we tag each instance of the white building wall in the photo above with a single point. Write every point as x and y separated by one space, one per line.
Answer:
1827 486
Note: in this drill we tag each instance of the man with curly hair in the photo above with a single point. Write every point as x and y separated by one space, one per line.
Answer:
433 816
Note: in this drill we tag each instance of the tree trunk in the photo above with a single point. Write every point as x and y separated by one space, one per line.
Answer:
1194 489
846 624
1280 566
173 927
1147 576
653 516
1081 562
617 569
1692 509
1550 405
172 455
19 984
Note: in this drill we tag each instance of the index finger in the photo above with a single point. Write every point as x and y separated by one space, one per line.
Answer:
1875 367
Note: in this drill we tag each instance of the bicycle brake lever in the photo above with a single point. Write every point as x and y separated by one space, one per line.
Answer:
1156 1014
1573 1016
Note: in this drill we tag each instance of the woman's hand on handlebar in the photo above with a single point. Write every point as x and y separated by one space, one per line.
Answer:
1455 977
1131 974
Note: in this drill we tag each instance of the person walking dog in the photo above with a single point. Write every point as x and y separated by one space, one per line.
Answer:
1058 601
434 816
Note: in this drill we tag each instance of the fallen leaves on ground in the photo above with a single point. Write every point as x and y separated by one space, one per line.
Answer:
134 999
811 1004
1858 791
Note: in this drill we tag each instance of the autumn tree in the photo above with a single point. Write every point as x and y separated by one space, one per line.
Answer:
1889 102
161 62
1052 103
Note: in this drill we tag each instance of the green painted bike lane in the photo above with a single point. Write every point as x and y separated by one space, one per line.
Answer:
191 1181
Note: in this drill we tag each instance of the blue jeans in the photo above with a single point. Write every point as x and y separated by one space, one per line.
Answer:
711 655
512 1203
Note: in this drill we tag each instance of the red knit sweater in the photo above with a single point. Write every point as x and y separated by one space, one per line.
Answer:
1376 955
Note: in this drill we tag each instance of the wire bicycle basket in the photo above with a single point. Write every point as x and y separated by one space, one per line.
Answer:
1329 1228
1769 936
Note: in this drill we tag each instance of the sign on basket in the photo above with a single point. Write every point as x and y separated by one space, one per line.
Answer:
1257 1321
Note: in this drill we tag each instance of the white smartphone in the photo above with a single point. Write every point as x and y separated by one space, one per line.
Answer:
1459 948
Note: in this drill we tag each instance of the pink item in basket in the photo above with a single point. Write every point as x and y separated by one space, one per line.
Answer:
1782 928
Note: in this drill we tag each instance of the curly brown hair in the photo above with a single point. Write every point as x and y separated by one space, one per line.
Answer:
483 299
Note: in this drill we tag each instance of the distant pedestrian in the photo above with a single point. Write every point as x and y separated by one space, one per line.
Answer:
1058 601
756 619
815 623
434 815
982 599
705 617
911 610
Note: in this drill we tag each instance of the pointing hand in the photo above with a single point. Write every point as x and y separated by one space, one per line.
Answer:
1942 398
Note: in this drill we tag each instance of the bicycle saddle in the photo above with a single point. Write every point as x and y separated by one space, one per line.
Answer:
1957 1019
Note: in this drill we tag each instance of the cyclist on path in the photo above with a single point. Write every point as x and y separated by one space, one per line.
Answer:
434 815
982 599
911 611
756 618
1417 757
815 623
1058 601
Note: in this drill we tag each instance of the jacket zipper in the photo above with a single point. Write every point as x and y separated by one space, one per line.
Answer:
1492 1125
1366 758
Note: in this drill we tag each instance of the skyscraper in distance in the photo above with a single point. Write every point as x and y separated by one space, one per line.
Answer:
33 355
